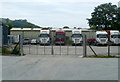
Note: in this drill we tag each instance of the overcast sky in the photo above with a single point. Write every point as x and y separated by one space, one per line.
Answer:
51 13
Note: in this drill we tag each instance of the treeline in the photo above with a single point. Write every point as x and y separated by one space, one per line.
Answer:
18 23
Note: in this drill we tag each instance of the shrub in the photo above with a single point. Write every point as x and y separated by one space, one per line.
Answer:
5 51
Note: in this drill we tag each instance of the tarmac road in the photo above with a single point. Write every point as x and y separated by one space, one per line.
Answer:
48 67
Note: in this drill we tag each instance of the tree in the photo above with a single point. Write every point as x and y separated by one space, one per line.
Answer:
10 26
118 19
104 17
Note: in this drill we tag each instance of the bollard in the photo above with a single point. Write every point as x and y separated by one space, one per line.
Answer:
84 46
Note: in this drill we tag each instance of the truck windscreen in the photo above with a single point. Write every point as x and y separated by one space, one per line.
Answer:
60 36
44 35
102 36
76 35
115 36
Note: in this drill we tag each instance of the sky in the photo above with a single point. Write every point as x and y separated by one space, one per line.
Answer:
51 13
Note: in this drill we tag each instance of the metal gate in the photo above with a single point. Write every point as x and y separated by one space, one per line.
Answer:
37 49
76 50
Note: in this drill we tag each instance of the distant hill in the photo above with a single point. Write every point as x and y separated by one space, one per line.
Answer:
19 23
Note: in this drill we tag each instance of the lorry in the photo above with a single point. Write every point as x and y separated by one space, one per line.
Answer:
114 37
45 37
16 38
101 38
60 37
76 37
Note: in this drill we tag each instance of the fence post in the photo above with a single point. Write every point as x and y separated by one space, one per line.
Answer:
52 38
21 45
84 46
44 46
60 46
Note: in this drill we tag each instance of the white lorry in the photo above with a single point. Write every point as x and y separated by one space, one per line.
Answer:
115 37
16 38
76 37
101 38
44 37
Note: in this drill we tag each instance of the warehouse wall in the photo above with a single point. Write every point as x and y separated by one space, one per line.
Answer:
27 34
34 34
89 34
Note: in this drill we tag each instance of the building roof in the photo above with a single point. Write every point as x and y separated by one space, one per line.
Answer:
24 29
54 29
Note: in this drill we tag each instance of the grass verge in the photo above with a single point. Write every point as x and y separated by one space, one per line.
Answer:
102 56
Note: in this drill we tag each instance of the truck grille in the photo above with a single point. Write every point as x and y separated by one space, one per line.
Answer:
103 40
76 40
117 41
44 40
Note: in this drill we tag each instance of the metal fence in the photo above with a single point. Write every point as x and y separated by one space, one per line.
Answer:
83 50
77 50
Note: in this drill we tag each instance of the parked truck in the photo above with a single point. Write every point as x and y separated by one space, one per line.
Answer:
60 37
45 37
101 38
76 37
115 37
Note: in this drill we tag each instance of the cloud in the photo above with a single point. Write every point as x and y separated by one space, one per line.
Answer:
51 12
52 1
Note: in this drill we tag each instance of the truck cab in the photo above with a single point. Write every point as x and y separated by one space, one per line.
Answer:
114 37
76 37
101 38
60 37
44 37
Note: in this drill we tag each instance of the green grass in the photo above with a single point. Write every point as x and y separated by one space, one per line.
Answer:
101 56
5 51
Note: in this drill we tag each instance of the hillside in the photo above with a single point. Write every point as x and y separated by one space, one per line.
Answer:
18 23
